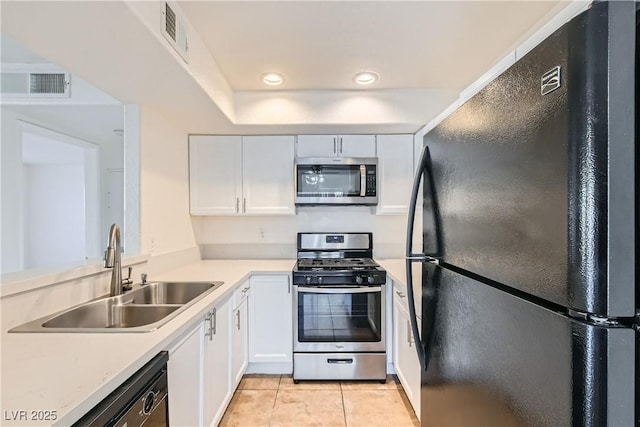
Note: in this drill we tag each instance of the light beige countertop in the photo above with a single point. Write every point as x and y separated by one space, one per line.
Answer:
396 271
69 373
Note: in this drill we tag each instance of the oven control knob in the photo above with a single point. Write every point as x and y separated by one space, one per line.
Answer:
320 280
359 280
307 279
370 280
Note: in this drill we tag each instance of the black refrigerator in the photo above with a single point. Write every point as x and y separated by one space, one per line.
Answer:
530 312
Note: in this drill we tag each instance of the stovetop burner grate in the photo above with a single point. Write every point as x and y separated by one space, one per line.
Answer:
316 264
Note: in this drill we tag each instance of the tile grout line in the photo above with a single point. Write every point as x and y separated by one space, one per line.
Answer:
344 409
273 408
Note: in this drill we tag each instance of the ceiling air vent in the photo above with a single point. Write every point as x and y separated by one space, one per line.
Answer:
174 29
24 84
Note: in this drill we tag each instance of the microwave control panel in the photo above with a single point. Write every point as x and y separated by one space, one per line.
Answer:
371 181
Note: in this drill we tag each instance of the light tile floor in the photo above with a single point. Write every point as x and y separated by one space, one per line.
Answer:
274 400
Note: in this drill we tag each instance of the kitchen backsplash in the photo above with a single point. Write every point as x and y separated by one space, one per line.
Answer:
228 237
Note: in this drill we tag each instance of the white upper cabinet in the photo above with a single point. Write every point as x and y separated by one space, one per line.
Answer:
233 175
317 146
336 146
215 175
395 173
267 169
357 145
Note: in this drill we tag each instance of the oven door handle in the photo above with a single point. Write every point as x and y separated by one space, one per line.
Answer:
351 290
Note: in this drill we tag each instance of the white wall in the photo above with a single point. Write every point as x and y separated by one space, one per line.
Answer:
11 248
275 237
55 211
164 216
165 225
111 157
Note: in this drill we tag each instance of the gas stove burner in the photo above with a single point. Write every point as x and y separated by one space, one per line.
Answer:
316 264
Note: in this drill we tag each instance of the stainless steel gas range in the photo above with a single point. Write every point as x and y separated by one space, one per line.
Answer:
339 309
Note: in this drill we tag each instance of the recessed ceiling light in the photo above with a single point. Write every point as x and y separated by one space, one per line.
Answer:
273 79
365 78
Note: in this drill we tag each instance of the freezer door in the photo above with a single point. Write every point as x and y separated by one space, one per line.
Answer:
497 360
534 176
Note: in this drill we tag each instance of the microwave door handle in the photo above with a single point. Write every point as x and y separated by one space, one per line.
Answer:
363 180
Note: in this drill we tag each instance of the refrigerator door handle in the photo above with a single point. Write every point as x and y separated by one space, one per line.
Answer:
423 171
425 158
412 257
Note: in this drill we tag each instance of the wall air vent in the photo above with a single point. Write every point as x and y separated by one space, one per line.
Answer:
174 29
47 83
24 84
170 21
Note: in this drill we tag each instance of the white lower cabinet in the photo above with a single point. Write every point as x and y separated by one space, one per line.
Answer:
199 371
216 370
185 379
208 361
405 358
270 325
239 334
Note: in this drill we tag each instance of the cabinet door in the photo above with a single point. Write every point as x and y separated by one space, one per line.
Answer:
267 164
357 146
317 146
270 322
405 358
185 380
239 336
217 366
215 174
395 173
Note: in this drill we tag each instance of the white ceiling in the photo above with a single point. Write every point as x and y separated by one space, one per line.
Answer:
322 44
426 52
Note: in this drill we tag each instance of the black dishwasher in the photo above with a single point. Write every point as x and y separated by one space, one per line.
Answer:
142 400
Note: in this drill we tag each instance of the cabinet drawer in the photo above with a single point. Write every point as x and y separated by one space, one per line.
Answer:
240 294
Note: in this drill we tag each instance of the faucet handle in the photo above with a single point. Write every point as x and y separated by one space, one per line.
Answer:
143 277
127 283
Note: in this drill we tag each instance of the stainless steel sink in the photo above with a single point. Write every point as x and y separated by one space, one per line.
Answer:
167 292
143 309
107 314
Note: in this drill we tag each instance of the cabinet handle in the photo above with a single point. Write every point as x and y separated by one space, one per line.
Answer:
289 284
244 205
334 145
237 204
238 319
340 145
400 294
209 332
409 334
244 290
214 323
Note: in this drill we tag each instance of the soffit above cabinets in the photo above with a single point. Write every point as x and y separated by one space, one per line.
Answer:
425 52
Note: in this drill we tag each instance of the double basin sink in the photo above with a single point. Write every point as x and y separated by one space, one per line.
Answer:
143 309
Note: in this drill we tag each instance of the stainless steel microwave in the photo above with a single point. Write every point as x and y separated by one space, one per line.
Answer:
336 181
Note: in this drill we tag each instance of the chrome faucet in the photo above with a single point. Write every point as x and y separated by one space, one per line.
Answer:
112 259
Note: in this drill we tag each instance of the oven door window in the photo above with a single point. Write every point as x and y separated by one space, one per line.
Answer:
339 317
328 181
